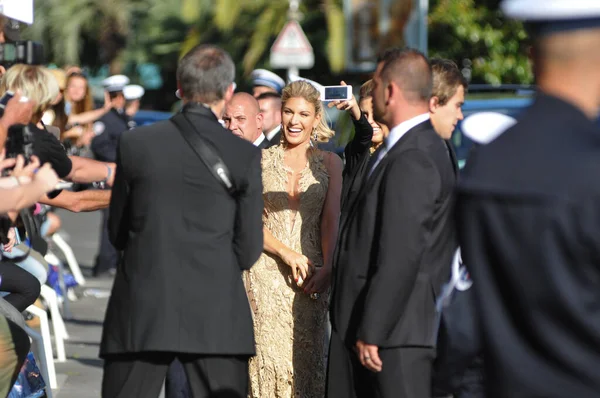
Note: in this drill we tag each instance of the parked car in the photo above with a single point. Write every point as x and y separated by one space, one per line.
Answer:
144 117
508 106
507 99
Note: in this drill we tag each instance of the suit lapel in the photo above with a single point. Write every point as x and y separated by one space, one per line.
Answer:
452 157
370 178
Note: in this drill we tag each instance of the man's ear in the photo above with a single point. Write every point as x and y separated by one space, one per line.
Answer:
259 120
390 91
179 92
229 92
434 103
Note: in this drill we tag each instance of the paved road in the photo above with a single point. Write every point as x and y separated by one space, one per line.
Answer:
80 376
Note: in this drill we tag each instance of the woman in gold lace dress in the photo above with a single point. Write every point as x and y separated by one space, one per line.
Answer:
288 287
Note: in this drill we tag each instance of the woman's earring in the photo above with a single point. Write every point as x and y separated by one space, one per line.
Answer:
315 136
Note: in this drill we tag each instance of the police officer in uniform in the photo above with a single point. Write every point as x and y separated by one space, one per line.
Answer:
133 95
264 81
108 129
529 217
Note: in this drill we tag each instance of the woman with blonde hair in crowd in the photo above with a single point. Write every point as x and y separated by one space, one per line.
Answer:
288 286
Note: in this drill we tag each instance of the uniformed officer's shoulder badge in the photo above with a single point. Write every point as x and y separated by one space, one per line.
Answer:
460 280
460 274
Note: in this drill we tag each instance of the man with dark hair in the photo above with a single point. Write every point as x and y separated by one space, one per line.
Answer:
448 97
529 219
270 107
395 245
178 292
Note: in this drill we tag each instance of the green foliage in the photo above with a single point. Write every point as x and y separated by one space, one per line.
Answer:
477 31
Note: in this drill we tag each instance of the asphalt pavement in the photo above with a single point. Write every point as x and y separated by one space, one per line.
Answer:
81 374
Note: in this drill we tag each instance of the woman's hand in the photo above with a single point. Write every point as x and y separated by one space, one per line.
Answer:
12 240
319 282
85 139
73 133
301 266
21 170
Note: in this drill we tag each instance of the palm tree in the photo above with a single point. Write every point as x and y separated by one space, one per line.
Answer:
65 27
257 22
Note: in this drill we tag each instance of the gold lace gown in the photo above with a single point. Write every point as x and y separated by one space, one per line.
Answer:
289 326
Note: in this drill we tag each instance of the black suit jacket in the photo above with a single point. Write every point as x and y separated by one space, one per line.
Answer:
396 246
185 243
357 154
276 140
264 144
529 218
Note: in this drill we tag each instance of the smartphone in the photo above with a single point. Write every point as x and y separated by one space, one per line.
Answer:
336 93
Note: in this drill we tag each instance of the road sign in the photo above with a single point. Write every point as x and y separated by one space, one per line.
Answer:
292 48
21 10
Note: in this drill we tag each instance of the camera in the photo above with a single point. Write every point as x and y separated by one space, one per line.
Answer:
19 140
21 52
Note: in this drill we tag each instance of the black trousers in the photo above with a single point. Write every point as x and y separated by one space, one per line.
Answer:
406 373
108 256
141 375
24 288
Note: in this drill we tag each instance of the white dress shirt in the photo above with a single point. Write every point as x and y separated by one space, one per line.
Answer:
396 133
273 132
259 140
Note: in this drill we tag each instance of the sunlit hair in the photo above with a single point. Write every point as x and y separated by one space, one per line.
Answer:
302 89
87 103
446 80
35 83
366 90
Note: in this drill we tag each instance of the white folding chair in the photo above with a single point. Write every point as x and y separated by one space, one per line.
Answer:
43 346
58 325
70 256
52 259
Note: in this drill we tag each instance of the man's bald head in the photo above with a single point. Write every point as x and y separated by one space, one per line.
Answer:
566 66
243 117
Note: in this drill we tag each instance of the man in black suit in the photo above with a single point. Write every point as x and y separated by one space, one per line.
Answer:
395 246
529 218
270 107
244 119
178 292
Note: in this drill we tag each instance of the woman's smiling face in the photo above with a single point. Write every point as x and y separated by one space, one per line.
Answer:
299 119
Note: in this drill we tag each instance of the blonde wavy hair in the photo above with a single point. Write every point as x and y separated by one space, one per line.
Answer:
305 90
35 82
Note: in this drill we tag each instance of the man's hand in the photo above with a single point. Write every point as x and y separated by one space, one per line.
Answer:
17 112
319 282
369 356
